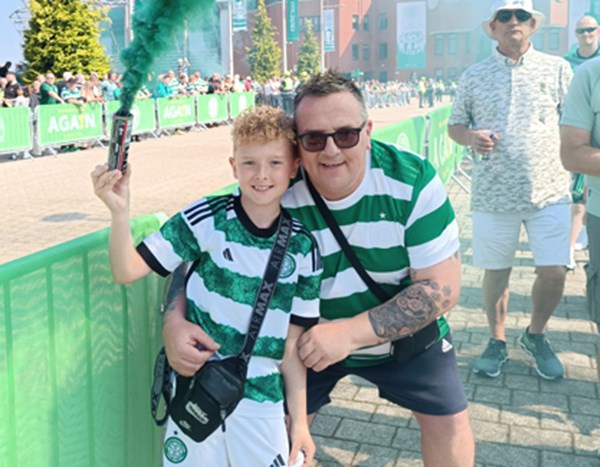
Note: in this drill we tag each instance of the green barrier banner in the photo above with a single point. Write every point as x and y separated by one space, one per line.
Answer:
240 101
443 153
176 112
15 129
212 108
144 117
409 134
68 123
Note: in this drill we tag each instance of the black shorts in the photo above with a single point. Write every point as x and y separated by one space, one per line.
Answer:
429 383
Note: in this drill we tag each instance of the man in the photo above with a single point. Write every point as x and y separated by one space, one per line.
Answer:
507 109
586 32
397 218
49 91
580 152
11 89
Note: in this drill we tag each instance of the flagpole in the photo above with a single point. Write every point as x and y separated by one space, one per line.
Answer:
284 34
230 45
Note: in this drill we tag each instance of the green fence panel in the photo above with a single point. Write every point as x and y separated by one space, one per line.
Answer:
409 134
176 112
240 101
212 108
443 153
144 116
68 123
76 358
15 129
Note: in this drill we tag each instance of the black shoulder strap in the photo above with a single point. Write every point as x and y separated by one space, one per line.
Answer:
343 242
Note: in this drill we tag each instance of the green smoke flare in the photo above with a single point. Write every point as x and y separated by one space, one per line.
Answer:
154 23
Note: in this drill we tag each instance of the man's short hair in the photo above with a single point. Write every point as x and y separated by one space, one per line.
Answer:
262 124
328 83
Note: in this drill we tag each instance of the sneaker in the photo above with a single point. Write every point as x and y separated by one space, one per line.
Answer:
572 264
582 240
546 362
491 360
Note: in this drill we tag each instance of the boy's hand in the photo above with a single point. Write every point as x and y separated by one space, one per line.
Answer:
112 187
301 441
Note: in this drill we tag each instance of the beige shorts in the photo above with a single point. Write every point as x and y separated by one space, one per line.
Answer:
496 237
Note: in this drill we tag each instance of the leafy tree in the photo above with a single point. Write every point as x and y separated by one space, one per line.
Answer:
64 35
309 54
264 57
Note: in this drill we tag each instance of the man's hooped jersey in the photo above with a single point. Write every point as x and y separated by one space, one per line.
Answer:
221 291
399 217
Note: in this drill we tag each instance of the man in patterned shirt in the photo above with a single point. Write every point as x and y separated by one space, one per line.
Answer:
507 109
397 218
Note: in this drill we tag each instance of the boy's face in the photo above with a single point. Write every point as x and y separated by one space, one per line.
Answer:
264 171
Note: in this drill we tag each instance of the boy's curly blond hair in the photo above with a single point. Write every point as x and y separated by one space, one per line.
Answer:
262 125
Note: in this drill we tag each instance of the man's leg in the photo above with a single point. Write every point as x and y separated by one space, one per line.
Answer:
495 300
546 294
446 440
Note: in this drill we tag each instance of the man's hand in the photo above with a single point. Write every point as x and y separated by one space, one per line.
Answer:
483 141
325 344
187 346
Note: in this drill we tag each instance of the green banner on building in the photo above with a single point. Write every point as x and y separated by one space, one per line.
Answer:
240 101
443 153
212 108
15 129
408 134
68 123
292 20
144 116
177 112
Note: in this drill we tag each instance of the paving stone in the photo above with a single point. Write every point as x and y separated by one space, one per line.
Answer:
584 405
589 444
344 390
520 417
334 452
349 409
486 412
569 387
559 459
363 432
582 374
368 394
496 395
489 431
575 423
408 439
502 455
392 415
324 425
369 455
409 459
539 401
533 437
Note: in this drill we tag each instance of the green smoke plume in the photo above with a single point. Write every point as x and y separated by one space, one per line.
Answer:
154 23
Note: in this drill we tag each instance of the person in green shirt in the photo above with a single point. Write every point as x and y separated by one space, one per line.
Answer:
49 91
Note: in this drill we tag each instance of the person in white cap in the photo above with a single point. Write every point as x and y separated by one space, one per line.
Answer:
507 109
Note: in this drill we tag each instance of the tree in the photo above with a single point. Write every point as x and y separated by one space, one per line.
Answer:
64 35
309 54
264 57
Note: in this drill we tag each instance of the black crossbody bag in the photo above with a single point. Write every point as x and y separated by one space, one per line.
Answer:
401 349
202 402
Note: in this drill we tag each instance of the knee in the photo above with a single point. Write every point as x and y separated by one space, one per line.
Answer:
552 275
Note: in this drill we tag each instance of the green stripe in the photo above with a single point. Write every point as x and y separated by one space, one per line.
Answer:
373 259
429 227
181 238
268 388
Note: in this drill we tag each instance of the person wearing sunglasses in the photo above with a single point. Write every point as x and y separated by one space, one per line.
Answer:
395 214
508 108
587 32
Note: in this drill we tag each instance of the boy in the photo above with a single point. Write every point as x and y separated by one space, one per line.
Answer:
232 235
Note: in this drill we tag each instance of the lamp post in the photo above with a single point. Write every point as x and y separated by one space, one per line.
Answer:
284 34
321 9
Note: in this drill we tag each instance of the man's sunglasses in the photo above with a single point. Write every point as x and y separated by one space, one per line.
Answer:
344 138
504 16
583 30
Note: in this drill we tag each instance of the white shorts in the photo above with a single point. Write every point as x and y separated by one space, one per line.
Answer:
245 442
496 237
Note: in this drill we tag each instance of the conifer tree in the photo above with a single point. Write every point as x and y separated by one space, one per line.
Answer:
309 53
264 56
64 35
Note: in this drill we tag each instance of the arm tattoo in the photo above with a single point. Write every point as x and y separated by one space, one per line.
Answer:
175 289
410 310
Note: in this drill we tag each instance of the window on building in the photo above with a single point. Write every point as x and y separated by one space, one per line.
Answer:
383 21
452 74
452 44
439 44
468 42
355 52
383 76
355 22
383 51
366 52
554 39
366 23
439 73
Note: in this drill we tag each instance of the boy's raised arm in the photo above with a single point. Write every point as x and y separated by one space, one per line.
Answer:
112 187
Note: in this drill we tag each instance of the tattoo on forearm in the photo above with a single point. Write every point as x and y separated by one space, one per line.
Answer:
410 310
175 288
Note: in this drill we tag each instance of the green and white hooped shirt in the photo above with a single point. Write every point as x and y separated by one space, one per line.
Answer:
400 217
233 255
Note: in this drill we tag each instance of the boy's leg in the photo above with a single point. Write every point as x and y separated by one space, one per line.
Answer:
256 441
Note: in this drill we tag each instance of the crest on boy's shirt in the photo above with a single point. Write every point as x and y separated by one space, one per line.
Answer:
288 267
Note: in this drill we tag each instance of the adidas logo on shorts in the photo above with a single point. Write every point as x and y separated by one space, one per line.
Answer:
446 346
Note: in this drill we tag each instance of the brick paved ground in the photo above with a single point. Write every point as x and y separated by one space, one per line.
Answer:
518 419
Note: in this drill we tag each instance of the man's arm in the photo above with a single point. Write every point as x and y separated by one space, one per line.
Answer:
576 153
435 290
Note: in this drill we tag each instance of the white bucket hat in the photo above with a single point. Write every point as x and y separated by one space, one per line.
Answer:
512 5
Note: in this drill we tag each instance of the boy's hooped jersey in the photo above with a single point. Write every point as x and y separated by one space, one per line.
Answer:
233 255
399 217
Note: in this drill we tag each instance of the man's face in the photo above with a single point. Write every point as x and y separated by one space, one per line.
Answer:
514 31
335 172
587 31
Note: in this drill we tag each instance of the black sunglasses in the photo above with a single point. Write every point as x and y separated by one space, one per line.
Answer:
504 16
582 30
344 138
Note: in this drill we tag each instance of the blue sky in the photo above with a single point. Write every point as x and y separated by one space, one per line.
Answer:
10 39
